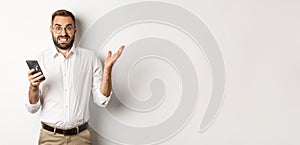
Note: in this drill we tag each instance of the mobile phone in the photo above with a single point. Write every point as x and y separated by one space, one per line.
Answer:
33 64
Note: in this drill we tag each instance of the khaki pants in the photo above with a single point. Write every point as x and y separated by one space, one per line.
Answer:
49 138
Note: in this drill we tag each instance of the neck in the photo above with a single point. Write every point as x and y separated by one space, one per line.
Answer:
64 52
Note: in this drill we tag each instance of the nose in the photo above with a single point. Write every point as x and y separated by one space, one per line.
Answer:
63 32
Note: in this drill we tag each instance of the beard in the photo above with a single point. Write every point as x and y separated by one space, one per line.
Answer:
63 46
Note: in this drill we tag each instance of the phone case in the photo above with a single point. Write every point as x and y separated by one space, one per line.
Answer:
33 64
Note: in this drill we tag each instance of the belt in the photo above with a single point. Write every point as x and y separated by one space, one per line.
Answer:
66 132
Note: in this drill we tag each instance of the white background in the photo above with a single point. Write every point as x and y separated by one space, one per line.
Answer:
259 39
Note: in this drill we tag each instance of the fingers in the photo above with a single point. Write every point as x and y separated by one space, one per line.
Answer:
30 72
121 49
39 78
119 52
33 76
34 79
112 58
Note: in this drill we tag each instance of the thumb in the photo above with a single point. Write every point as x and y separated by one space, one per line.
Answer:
109 53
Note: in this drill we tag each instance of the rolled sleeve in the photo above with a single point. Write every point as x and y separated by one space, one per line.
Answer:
32 108
99 98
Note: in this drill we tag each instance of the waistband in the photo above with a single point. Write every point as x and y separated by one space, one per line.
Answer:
66 132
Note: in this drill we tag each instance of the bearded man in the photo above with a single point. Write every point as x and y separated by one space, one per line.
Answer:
72 75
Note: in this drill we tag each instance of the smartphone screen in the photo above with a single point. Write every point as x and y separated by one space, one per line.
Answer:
33 64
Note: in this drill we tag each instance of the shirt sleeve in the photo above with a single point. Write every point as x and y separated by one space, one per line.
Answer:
98 97
32 108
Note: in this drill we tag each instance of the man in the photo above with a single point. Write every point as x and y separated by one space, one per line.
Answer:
72 75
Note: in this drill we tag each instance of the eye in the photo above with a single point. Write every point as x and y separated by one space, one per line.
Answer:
69 28
58 28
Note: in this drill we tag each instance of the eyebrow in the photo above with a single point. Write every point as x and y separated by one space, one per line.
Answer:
61 25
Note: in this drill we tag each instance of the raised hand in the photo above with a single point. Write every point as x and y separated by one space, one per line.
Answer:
111 59
106 85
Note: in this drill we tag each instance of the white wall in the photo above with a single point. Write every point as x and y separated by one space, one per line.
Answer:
259 41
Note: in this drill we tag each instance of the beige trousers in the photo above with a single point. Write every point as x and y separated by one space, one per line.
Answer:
49 138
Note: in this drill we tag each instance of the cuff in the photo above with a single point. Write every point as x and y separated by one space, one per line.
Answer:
101 100
32 108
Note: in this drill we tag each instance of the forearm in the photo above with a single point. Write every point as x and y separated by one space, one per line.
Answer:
106 84
33 94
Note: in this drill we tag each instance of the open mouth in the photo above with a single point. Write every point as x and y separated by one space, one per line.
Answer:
63 39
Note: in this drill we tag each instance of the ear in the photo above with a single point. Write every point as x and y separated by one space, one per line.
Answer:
51 29
75 29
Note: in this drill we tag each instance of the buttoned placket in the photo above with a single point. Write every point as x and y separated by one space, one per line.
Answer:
66 81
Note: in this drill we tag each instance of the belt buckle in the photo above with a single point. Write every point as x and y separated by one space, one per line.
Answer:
77 130
54 130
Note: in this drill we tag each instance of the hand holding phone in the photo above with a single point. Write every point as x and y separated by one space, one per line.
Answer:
33 64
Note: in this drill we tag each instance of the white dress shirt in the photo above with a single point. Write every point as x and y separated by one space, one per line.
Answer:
70 82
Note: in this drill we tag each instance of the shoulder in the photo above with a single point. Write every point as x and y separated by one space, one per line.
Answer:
46 52
42 54
88 56
86 52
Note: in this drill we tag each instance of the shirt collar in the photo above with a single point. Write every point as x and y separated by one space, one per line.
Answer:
55 52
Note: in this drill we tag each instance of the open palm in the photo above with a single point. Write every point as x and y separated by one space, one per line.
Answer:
111 59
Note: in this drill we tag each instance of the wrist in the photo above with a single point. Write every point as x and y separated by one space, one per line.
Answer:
34 88
107 70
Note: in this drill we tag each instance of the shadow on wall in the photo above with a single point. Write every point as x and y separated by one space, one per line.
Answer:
143 53
78 31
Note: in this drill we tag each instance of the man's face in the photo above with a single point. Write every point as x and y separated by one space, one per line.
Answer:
63 32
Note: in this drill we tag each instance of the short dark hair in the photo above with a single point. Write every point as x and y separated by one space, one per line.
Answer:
64 13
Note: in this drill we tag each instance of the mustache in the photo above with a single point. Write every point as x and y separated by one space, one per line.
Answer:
66 36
